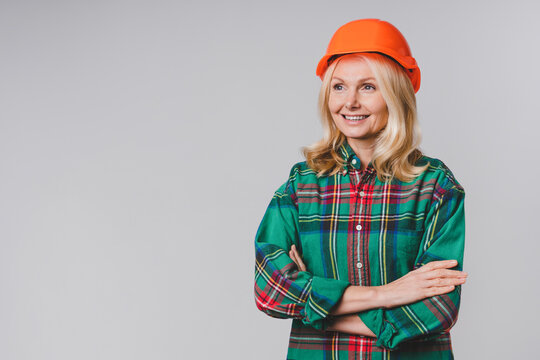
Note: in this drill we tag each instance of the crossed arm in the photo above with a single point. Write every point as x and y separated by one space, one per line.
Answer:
422 303
434 278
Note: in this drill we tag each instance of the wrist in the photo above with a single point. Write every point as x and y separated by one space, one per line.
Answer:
381 296
360 298
371 297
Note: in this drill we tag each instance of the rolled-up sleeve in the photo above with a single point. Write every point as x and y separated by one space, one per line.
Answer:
280 289
443 239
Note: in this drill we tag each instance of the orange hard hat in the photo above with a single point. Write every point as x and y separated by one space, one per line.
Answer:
371 35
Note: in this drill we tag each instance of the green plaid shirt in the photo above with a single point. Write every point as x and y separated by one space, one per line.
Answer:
351 228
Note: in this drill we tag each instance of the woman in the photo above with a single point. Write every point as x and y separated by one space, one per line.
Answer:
363 244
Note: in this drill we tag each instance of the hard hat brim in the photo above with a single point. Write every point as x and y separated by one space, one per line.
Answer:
407 63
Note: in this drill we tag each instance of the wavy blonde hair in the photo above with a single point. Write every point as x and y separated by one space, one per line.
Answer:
396 147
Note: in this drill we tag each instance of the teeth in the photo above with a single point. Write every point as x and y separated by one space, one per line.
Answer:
356 117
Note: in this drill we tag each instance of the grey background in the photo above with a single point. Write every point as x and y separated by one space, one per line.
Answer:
131 132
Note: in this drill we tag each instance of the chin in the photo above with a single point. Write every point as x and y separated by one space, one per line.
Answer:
357 137
355 134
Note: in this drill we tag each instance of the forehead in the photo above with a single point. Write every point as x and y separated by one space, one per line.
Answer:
352 67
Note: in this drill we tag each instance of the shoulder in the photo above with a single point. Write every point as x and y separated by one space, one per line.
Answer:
438 174
301 170
300 173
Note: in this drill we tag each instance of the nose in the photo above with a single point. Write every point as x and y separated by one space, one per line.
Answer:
352 101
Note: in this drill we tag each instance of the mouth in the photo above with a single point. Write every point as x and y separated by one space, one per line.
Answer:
355 117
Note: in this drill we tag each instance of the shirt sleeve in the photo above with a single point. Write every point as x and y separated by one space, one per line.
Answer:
443 239
280 289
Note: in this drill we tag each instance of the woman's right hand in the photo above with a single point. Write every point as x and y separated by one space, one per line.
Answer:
434 278
295 256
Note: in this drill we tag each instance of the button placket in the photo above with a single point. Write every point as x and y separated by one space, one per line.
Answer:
358 180
363 180
359 194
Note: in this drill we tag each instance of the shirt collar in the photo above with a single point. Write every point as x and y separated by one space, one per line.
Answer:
351 159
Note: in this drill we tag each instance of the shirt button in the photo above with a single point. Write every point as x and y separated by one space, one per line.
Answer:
354 161
359 265
362 193
358 227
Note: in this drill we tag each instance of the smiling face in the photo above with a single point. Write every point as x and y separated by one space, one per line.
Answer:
356 103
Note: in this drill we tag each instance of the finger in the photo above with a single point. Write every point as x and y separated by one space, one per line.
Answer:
445 273
439 264
299 261
292 255
294 252
433 291
443 282
302 265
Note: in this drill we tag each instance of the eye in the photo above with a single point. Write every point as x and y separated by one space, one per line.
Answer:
369 87
337 87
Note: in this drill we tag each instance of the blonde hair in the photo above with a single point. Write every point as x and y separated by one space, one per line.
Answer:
396 147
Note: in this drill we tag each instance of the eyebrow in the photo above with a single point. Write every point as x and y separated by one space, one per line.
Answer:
361 80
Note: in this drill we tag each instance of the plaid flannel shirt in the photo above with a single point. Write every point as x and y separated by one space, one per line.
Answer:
353 229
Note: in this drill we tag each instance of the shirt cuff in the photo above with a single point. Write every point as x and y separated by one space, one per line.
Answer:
324 294
382 328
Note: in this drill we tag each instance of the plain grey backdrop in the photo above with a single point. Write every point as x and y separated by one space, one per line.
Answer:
141 142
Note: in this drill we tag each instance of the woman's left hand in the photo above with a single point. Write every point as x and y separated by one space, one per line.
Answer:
293 254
